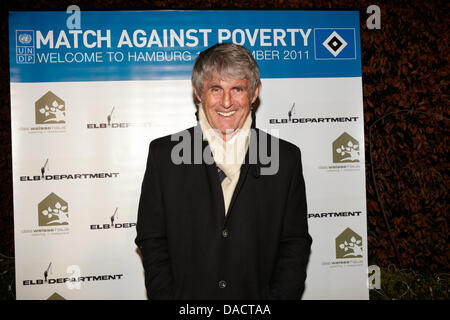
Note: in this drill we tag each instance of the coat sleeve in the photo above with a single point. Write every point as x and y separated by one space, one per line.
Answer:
151 234
288 279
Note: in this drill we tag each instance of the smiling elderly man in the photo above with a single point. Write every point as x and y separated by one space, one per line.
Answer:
220 226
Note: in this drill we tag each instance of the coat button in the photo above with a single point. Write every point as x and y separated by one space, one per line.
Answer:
222 284
225 233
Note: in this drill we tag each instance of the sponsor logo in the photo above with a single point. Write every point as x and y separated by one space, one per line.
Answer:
25 47
45 176
113 123
53 210
348 250
335 44
345 149
49 269
349 245
345 155
50 115
25 38
337 214
114 223
50 109
71 280
292 119
56 296
52 217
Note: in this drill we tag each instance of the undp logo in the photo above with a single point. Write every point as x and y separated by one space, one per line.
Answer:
25 38
25 46
334 44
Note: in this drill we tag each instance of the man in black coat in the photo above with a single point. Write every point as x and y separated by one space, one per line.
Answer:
222 212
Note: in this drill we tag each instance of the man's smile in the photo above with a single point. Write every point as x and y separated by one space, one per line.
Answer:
226 114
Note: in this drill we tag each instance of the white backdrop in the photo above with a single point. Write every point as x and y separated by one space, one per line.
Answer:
93 165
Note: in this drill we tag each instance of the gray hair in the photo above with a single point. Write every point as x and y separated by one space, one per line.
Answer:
227 60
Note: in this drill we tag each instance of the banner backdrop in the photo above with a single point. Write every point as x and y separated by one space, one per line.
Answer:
85 104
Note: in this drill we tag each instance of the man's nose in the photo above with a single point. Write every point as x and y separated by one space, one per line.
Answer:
226 100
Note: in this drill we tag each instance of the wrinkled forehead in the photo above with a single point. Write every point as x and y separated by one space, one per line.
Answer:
220 74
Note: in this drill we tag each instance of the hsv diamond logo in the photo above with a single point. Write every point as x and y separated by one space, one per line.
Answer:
334 44
25 49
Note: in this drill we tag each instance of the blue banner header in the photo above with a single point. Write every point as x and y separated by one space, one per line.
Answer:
151 45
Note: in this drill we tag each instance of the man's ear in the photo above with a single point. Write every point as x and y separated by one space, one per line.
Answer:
197 96
256 93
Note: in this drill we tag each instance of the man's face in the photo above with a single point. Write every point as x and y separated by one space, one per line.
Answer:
227 103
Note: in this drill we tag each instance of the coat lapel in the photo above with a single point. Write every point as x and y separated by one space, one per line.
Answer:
243 175
213 177
214 183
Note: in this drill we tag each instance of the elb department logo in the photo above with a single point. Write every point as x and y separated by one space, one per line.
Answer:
334 44
25 46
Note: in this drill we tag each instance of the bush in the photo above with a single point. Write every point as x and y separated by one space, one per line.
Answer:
409 285
7 278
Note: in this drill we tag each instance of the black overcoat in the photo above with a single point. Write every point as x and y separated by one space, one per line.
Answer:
191 250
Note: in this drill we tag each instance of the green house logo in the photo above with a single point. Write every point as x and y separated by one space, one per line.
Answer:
349 245
50 109
56 296
345 149
52 211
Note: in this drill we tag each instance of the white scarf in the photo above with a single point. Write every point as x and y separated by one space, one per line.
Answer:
228 155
